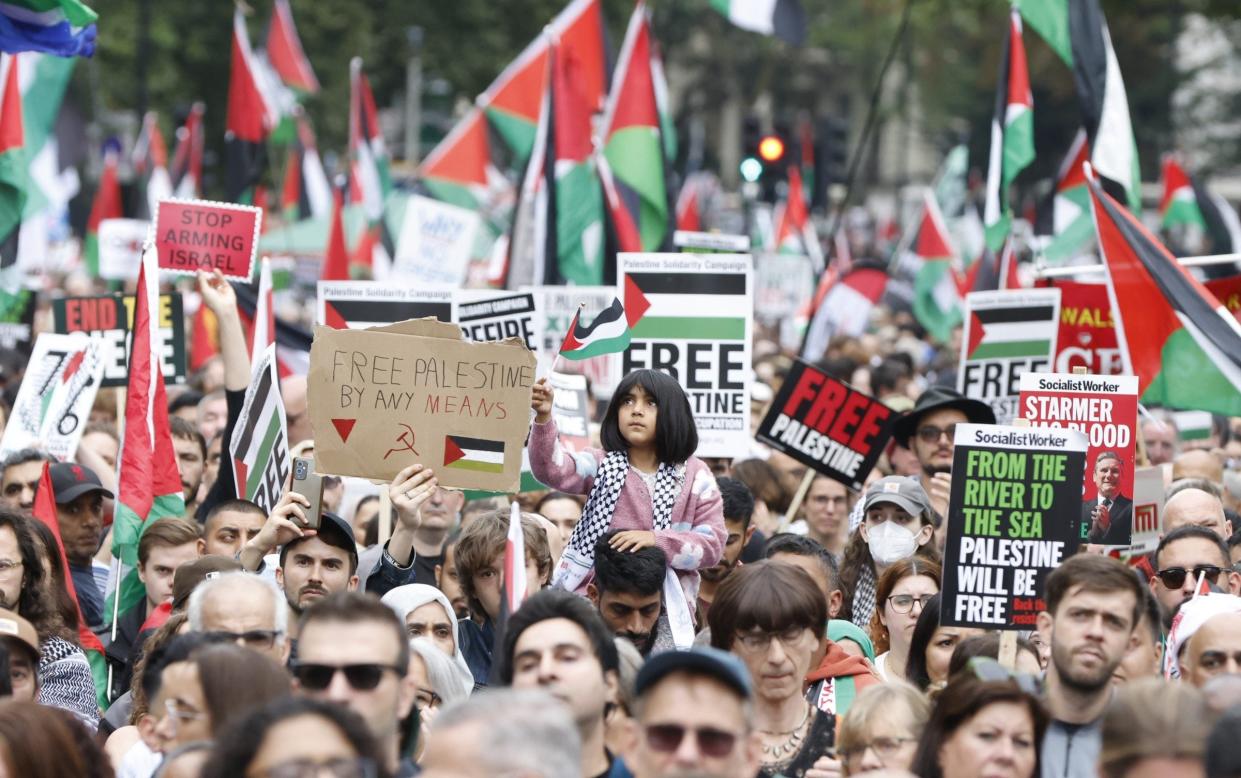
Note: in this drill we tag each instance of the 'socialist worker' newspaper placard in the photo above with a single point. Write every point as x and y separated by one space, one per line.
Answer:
416 392
827 425
693 319
1012 517
1105 410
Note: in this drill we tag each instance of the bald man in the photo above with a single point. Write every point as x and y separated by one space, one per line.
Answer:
293 389
1198 464
1214 650
1198 508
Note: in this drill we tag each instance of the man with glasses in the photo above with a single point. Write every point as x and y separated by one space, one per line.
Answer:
243 608
827 514
353 651
557 642
928 431
1109 519
1185 556
693 714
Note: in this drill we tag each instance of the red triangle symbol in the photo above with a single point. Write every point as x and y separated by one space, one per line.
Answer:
636 303
452 452
344 427
977 331
333 319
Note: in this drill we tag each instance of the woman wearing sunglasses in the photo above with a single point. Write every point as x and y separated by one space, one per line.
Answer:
904 590
297 738
771 616
882 727
988 722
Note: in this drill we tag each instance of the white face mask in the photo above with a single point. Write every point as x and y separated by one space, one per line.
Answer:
890 542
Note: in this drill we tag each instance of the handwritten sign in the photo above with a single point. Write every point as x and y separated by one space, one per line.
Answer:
1012 517
107 319
827 425
193 235
384 398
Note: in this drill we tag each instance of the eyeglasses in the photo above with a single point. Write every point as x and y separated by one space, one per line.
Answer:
344 767
424 699
985 668
930 433
761 641
884 747
666 738
361 677
1174 577
178 714
256 639
904 603
8 565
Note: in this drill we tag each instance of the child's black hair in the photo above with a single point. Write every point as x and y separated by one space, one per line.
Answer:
676 435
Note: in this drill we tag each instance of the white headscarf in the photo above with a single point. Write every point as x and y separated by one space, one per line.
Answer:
405 599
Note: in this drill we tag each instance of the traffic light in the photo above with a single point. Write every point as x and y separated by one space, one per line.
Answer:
751 135
771 149
835 150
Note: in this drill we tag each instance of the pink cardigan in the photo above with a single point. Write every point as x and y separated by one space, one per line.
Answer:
695 539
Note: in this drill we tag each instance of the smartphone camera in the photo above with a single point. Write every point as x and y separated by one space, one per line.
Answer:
301 469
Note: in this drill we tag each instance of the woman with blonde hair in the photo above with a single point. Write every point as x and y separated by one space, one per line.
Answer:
882 727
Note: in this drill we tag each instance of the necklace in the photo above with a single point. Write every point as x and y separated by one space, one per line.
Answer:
791 743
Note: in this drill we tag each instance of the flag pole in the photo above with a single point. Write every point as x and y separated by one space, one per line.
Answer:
1046 271
576 317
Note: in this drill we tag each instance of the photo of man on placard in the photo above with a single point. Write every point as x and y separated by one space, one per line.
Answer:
1110 515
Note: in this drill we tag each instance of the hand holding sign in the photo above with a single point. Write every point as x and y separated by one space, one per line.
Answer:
217 293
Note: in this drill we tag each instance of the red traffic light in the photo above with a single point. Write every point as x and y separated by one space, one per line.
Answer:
771 148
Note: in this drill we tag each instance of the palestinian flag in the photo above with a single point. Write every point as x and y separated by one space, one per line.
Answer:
607 334
991 272
477 454
794 233
13 161
1186 202
1011 332
459 170
107 205
689 204
204 337
284 51
292 343
1181 342
65 28
187 161
348 307
844 309
263 326
1077 32
369 180
150 161
305 192
937 298
148 482
515 584
684 306
1178 205
44 510
259 444
667 125
785 19
1066 213
1012 133
632 146
252 115
335 265
51 184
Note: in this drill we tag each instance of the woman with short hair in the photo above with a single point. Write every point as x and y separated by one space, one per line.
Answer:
882 728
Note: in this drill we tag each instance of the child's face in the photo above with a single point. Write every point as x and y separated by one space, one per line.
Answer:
637 417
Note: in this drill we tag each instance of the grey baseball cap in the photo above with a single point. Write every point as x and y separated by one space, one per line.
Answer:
899 490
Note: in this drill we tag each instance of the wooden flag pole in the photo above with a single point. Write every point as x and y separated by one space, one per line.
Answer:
800 495
385 515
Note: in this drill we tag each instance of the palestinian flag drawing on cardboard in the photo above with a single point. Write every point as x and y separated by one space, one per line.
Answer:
479 454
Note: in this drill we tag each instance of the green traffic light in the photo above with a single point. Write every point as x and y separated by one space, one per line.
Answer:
751 169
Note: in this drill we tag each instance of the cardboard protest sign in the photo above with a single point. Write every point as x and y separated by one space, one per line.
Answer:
193 235
259 448
1006 334
827 425
120 247
571 409
107 319
415 391
436 242
56 395
496 314
1147 510
16 319
1105 410
710 242
360 304
1087 336
1012 517
559 304
693 318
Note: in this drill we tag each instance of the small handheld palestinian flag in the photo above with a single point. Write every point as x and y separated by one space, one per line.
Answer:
607 334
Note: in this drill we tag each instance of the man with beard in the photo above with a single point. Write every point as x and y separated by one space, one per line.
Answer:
1093 606
79 512
191 459
628 591
738 510
1109 519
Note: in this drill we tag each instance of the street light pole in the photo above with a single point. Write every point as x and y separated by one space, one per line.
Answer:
413 95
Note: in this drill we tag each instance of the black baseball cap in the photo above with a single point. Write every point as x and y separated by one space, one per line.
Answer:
334 531
937 398
71 480
703 660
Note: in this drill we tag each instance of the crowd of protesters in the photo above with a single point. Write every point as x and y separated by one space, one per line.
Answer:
680 617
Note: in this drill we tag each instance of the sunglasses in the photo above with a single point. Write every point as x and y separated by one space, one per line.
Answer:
930 433
666 738
362 677
256 639
1174 577
984 668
